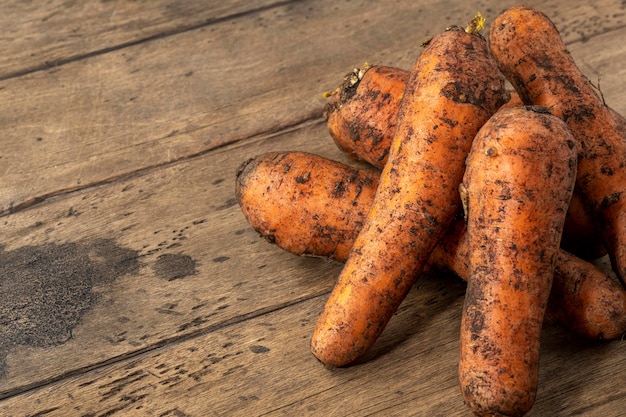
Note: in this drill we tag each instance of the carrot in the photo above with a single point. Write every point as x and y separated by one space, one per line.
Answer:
586 300
580 235
517 186
361 114
583 298
452 90
322 217
361 120
514 101
304 203
532 55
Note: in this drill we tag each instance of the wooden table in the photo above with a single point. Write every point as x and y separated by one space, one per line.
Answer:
131 284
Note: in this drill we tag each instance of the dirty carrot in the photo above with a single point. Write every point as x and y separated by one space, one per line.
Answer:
361 119
453 89
532 55
583 298
587 300
516 189
304 203
323 216
361 114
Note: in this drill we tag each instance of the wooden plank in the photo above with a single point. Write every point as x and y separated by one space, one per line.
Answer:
200 268
162 258
148 206
93 121
263 367
38 35
133 265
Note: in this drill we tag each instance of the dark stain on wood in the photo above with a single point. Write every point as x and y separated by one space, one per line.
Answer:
175 412
170 266
231 202
45 290
259 349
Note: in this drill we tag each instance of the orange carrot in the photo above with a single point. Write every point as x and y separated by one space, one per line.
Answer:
304 203
586 300
361 114
532 55
452 90
514 101
517 186
361 121
322 216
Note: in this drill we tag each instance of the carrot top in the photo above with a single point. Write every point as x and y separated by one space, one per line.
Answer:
476 24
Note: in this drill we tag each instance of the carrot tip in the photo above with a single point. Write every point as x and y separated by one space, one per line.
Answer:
357 75
350 80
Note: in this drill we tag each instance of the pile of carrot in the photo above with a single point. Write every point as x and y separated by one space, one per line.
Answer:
513 191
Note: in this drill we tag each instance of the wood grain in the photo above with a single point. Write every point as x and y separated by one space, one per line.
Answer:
186 211
131 284
95 120
39 35
258 368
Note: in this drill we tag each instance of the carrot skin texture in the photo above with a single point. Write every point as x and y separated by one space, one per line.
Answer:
453 89
532 55
519 181
583 298
586 300
361 118
324 227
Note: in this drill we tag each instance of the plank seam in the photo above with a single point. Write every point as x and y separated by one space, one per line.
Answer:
162 344
38 200
64 61
172 32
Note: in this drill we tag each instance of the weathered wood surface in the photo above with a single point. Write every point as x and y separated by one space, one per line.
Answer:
37 36
130 281
97 119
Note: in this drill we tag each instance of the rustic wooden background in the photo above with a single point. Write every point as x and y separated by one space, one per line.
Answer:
131 284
